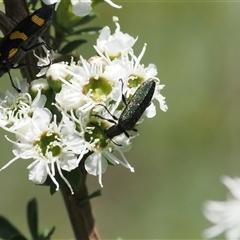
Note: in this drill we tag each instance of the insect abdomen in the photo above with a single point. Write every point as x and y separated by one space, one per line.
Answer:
137 105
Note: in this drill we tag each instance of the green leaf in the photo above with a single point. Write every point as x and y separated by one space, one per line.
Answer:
47 182
7 230
93 195
95 2
18 237
32 218
50 233
71 46
89 30
33 4
52 188
75 178
46 234
84 20
63 30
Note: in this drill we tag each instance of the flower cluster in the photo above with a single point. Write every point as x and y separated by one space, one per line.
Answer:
67 128
225 214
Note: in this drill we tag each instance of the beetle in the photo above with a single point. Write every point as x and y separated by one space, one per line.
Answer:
22 39
133 110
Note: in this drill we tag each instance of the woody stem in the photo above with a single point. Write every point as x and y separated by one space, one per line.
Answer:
79 211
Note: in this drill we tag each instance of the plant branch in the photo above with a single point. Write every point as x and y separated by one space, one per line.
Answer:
79 211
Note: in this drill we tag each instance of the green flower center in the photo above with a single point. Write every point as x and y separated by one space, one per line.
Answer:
99 88
97 132
48 143
135 82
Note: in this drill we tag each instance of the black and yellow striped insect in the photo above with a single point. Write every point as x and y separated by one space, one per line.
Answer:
22 39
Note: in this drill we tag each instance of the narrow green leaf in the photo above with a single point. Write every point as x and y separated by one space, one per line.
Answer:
32 218
62 30
7 230
97 193
47 182
93 195
52 188
89 30
48 235
69 47
84 20
18 237
33 4
95 2
75 178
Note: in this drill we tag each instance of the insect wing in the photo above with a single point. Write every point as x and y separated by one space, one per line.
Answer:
137 105
23 36
35 24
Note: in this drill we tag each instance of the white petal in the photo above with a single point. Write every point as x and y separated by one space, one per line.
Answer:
68 161
225 215
39 100
233 233
41 117
96 164
113 4
70 98
151 71
212 232
162 103
233 184
150 112
81 7
214 210
103 36
38 173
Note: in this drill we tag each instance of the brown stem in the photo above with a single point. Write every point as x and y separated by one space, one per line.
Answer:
79 211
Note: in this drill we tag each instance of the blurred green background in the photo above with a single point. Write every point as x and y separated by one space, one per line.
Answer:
181 154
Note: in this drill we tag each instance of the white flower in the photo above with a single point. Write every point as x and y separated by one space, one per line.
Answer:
90 85
225 215
16 107
101 147
80 7
52 146
116 44
44 63
96 164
